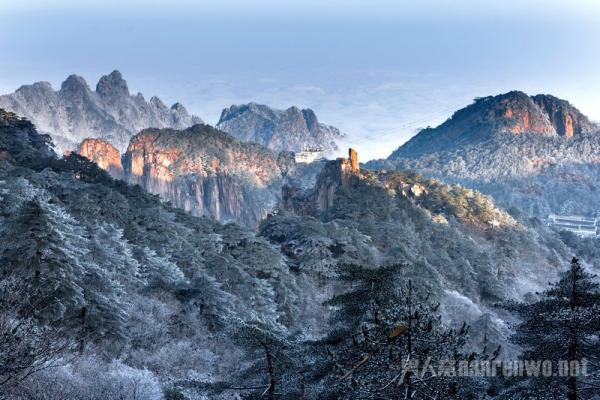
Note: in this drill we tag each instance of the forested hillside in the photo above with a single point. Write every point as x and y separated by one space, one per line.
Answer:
106 292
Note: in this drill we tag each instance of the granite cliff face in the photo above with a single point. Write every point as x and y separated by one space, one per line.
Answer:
104 154
536 153
335 174
205 172
279 130
76 112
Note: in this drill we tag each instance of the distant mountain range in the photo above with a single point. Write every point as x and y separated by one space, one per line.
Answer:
75 112
279 130
538 153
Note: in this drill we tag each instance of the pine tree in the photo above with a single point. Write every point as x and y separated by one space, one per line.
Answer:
48 250
267 353
561 327
113 253
156 271
383 328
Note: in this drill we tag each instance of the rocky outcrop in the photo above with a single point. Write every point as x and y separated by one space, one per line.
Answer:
567 120
336 174
514 112
76 112
204 171
207 172
279 130
104 154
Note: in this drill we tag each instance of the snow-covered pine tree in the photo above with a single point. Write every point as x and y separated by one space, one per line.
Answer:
267 359
563 325
113 253
382 328
155 271
48 250
41 246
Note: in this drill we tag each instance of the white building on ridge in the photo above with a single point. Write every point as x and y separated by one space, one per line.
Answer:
581 226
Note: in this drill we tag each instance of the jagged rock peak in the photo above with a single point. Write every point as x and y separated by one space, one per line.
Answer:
291 129
353 157
158 103
37 86
76 112
74 83
112 84
179 108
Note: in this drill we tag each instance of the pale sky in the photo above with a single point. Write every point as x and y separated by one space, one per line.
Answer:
377 69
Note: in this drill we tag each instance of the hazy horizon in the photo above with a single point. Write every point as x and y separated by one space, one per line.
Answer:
378 72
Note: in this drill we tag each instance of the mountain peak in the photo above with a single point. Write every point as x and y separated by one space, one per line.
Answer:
75 111
291 129
514 112
179 108
156 102
74 83
112 84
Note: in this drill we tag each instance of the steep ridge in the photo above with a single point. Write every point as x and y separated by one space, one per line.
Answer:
537 153
19 140
204 171
279 130
76 112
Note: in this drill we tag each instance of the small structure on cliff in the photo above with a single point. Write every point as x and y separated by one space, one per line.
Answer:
581 226
309 155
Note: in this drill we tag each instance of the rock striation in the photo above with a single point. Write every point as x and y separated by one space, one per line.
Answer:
75 111
205 172
279 130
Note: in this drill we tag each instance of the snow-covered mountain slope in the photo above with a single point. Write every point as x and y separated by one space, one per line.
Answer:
537 153
75 112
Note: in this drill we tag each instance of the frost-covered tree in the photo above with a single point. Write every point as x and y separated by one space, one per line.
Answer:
156 271
561 327
383 334
110 250
43 246
266 360
25 346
